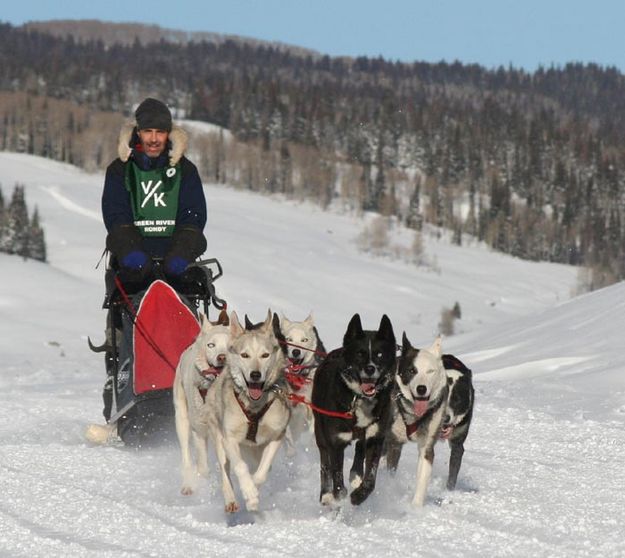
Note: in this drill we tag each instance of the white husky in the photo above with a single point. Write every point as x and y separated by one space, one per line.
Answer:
247 410
197 369
420 402
303 349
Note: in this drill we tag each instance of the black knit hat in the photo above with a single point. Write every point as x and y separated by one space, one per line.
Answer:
153 113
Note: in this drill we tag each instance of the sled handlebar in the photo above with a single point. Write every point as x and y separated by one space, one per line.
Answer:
207 263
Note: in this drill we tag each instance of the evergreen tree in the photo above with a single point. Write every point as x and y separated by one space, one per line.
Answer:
36 240
17 224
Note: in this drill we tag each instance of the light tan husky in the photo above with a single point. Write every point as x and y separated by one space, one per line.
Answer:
199 366
247 410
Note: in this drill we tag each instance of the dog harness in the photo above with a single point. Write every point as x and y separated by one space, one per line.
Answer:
252 418
208 376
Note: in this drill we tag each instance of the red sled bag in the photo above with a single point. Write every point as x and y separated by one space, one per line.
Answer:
153 339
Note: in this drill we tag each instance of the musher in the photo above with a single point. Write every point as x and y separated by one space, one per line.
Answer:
154 211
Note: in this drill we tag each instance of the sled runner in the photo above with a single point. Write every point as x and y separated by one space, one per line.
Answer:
147 331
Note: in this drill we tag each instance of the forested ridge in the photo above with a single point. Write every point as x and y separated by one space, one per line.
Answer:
531 163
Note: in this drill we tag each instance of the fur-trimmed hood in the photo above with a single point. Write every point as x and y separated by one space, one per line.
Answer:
178 138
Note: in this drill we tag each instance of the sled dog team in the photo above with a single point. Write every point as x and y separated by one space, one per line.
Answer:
247 388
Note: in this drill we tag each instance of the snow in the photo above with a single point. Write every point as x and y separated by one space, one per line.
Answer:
543 469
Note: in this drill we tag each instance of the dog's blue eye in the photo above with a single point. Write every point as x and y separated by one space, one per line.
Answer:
305 340
431 371
211 345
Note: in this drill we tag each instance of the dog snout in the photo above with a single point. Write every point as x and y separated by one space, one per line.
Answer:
221 358
370 370
421 390
255 376
447 420
296 353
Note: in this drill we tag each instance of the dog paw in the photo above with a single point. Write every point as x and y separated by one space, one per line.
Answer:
359 495
355 481
232 507
327 499
252 504
186 491
250 493
418 501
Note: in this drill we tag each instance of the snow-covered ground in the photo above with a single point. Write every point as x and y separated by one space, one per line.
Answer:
544 463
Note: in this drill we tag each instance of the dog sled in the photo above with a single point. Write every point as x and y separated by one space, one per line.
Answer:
149 325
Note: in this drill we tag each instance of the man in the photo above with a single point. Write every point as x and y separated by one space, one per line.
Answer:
153 203
154 209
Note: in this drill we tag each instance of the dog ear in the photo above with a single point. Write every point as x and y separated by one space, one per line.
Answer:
277 331
284 321
223 318
248 324
235 327
405 344
267 324
354 329
309 321
435 349
385 331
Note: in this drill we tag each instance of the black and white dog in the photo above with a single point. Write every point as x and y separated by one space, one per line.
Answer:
432 399
352 401
459 413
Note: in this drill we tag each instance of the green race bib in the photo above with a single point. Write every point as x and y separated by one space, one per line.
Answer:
154 198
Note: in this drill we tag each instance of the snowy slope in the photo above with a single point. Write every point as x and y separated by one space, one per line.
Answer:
543 466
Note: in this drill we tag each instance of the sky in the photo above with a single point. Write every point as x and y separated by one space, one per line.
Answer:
542 473
492 33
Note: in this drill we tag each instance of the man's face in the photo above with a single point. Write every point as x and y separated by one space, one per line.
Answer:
153 141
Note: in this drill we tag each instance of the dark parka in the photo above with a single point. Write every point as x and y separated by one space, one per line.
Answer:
187 240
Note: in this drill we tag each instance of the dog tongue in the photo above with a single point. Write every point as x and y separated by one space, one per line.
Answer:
255 392
368 389
420 406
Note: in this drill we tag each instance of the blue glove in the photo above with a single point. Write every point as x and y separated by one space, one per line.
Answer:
135 260
175 265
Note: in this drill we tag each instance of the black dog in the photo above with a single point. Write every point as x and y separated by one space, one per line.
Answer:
351 401
459 413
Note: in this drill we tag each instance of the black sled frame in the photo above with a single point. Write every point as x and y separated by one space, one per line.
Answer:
153 409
